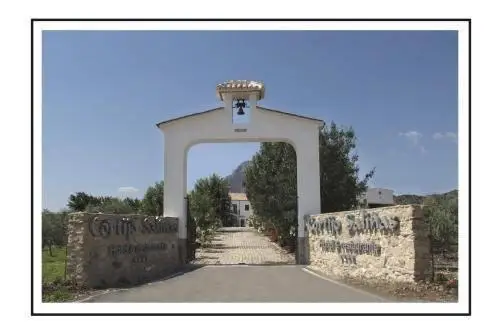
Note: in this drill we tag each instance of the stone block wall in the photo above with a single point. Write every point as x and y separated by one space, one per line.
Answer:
389 244
107 250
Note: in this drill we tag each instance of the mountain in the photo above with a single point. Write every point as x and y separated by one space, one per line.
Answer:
235 180
406 199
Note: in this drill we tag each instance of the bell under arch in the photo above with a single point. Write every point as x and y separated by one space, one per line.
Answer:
263 125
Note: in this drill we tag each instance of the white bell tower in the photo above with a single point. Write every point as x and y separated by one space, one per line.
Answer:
240 100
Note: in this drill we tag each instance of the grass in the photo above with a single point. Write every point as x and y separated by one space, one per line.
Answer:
53 267
55 288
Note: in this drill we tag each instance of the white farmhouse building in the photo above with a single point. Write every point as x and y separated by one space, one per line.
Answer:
240 208
376 197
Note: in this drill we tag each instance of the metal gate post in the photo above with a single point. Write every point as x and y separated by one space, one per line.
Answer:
191 234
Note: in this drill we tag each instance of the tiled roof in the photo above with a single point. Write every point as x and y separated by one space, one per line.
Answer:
238 196
232 84
241 85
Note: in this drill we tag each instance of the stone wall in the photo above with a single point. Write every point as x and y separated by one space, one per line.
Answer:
388 244
107 250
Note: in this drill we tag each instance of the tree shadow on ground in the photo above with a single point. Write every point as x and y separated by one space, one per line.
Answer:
206 257
232 230
210 250
227 247
266 263
212 246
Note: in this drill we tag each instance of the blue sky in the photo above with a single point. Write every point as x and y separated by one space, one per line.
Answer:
103 93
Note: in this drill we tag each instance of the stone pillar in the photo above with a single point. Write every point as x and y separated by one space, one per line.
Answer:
75 269
421 245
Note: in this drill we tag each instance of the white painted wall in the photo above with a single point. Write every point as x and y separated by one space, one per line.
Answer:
379 196
264 126
240 205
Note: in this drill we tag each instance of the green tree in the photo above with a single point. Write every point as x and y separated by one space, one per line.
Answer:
54 229
339 171
152 204
79 201
209 204
82 201
134 204
442 215
271 179
203 214
112 206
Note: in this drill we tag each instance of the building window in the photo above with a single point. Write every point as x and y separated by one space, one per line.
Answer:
235 208
242 222
247 208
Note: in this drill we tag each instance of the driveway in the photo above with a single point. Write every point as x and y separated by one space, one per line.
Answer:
241 266
241 283
242 246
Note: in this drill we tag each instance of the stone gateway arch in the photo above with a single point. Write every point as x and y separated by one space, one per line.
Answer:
240 119
388 244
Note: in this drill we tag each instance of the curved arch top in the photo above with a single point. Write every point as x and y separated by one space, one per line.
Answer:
265 125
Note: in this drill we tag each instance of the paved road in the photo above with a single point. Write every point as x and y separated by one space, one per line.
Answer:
218 276
285 283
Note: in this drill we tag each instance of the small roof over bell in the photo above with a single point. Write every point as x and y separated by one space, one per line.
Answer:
240 86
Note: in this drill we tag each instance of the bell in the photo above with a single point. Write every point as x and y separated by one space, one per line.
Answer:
240 104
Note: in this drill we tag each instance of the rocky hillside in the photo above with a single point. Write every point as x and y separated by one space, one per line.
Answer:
235 180
406 199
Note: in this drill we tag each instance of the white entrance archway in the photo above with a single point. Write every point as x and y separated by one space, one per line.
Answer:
260 125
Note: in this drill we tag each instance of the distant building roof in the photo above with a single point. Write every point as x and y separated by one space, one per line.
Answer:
238 196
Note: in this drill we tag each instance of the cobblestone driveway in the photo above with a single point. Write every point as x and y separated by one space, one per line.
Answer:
233 246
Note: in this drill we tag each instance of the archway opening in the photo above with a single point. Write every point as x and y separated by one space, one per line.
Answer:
218 126
242 202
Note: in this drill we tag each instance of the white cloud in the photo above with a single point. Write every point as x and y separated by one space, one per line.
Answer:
127 189
446 136
413 136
